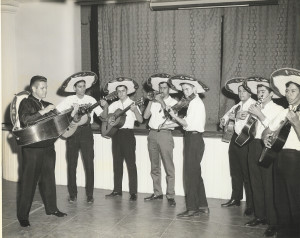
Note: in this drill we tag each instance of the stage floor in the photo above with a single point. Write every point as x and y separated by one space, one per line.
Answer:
121 218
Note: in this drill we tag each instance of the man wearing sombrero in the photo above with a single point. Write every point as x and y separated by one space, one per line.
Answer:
193 124
238 162
82 139
123 141
261 178
286 82
160 142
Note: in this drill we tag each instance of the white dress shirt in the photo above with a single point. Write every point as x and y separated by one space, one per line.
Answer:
68 102
195 116
157 113
130 116
292 141
270 110
239 124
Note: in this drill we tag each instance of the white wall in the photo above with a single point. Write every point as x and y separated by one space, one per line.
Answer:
39 38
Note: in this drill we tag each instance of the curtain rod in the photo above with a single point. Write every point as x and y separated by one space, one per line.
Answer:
104 2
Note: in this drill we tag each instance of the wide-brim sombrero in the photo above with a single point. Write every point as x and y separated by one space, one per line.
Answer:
154 81
232 85
281 77
180 79
251 84
112 85
89 77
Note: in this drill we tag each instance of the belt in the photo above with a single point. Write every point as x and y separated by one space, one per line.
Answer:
159 130
193 132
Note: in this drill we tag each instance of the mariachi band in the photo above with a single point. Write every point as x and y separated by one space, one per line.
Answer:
264 149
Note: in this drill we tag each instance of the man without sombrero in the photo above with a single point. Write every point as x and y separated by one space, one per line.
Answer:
160 142
286 82
193 124
82 139
123 141
261 178
238 162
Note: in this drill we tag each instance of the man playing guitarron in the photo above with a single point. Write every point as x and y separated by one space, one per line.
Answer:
38 159
82 139
238 162
286 81
123 141
261 178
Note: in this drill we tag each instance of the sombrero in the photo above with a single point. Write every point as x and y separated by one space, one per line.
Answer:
111 86
154 81
280 77
89 77
232 85
179 79
251 83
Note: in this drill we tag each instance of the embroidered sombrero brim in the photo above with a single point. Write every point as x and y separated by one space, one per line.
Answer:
180 79
112 85
89 77
251 84
281 77
232 85
154 81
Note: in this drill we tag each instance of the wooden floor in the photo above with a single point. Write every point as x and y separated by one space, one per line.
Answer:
121 218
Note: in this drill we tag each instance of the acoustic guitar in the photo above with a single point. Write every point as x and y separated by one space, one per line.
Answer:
277 141
116 120
83 112
247 131
229 127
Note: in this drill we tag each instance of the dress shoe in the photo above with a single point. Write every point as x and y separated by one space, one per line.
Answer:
72 199
24 223
188 213
271 231
231 202
90 199
133 197
248 211
204 210
172 202
58 213
153 197
113 194
255 222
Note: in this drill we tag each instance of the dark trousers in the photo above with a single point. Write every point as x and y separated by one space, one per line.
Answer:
239 172
123 147
194 187
81 140
38 165
287 187
262 184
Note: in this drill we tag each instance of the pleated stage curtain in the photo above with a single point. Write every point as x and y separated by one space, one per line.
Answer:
136 42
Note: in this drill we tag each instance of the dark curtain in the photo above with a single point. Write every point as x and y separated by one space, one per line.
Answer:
136 42
259 40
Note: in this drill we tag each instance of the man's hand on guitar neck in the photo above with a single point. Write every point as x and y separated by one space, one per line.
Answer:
256 111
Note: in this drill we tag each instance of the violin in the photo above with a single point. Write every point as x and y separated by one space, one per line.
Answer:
183 103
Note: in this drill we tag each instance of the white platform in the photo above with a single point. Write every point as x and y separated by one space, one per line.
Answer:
215 165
